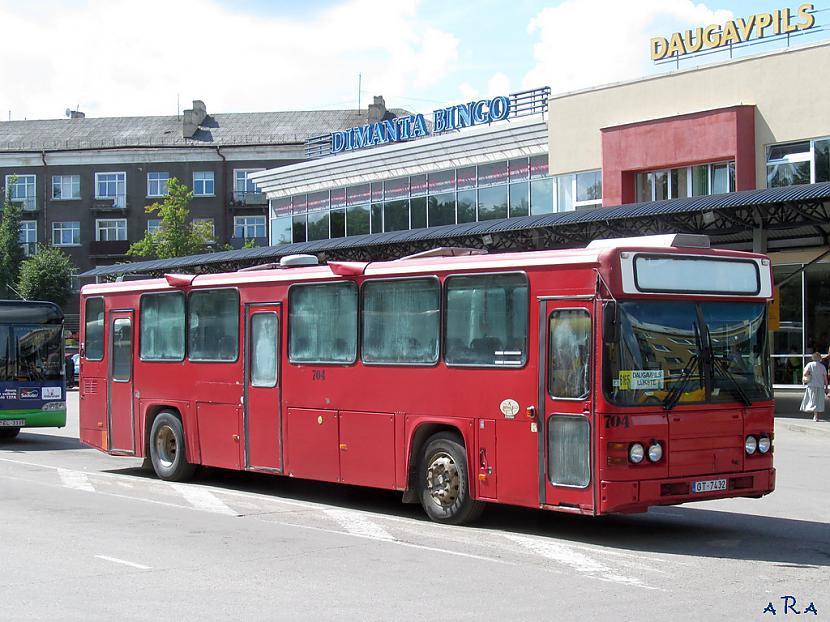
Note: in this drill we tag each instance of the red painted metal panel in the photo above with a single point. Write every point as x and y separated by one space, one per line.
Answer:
705 441
517 454
219 434
311 444
486 459
367 448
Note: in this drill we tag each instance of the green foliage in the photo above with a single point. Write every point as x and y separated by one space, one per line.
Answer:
11 255
46 276
175 237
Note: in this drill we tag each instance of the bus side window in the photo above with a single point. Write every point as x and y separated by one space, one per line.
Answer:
94 330
213 318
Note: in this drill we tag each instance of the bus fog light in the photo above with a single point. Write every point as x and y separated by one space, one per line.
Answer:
636 453
52 406
750 444
764 444
655 452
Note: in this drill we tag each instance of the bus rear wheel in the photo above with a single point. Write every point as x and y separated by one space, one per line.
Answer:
444 483
9 432
167 449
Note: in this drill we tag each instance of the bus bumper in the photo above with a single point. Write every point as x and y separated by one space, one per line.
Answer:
626 497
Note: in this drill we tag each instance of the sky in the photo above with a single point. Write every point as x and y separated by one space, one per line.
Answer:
153 57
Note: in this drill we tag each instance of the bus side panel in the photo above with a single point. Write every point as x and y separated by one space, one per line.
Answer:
518 461
92 399
311 444
219 434
367 449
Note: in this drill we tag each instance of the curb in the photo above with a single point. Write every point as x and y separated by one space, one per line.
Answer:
820 428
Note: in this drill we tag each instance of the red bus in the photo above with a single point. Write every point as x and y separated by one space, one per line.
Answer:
627 374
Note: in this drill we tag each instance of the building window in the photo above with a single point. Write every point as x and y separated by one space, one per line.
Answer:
28 237
242 186
157 184
111 229
249 227
203 185
804 162
112 186
74 281
588 188
66 233
153 225
66 187
687 181
211 226
22 190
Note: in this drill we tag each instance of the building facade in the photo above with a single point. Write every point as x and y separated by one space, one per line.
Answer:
84 183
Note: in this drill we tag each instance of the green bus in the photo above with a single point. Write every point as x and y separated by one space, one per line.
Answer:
32 382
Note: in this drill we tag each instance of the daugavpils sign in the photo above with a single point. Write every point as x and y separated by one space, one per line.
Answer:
778 22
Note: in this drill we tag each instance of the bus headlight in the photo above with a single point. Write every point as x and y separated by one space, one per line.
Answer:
764 444
750 444
636 453
52 406
655 451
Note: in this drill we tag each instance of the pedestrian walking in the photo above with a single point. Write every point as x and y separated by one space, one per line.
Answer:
815 378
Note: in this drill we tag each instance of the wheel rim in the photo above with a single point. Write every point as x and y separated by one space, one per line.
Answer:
166 446
443 479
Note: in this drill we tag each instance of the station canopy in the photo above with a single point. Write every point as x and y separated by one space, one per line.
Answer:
787 217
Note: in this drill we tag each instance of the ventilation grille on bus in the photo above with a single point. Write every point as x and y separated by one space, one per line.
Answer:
90 386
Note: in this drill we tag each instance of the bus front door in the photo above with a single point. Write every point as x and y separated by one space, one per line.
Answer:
263 440
120 384
566 403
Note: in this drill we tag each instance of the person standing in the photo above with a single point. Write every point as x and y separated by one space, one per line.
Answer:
815 377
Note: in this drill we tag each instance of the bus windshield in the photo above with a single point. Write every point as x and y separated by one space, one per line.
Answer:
683 352
30 352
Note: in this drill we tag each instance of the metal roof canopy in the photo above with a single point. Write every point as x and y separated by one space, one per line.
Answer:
789 215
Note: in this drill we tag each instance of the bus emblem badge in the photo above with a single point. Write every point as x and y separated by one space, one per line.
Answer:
509 408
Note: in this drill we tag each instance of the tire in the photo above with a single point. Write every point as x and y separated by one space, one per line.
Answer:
167 449
9 433
443 482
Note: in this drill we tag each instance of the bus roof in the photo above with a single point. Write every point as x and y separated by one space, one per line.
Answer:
29 312
589 257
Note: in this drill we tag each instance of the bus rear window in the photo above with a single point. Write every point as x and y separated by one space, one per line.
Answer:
94 332
322 323
486 320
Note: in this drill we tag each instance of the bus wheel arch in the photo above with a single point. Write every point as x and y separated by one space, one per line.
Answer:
440 475
167 446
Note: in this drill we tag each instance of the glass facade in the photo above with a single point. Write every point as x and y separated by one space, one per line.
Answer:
504 189
803 162
687 181
804 327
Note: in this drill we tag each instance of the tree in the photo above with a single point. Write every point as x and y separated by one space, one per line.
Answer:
11 254
46 276
175 237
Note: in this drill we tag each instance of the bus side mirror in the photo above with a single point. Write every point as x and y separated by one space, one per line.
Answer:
610 321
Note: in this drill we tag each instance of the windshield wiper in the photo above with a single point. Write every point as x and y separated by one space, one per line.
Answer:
690 367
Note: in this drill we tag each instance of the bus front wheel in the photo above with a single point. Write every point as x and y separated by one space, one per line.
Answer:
9 432
167 450
444 484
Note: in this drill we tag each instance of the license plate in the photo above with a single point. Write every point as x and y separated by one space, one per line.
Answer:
12 423
709 485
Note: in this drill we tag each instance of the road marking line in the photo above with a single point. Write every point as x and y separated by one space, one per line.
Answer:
203 499
123 561
580 562
359 525
75 479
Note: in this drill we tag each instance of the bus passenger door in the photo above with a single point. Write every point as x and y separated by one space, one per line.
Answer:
120 384
566 403
262 416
